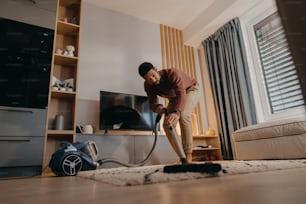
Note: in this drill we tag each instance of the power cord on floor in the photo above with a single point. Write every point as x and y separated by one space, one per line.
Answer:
147 179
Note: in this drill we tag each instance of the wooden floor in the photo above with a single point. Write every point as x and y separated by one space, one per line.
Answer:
277 187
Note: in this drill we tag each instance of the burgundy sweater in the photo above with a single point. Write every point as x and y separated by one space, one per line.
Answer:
173 85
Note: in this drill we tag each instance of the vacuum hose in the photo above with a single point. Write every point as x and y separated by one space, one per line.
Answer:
155 131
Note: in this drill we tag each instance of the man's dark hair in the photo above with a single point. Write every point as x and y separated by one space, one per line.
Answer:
144 68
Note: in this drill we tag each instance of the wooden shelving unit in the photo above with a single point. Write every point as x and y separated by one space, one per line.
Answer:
63 102
206 148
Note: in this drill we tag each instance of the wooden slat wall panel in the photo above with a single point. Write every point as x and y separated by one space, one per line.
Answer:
179 48
163 42
176 54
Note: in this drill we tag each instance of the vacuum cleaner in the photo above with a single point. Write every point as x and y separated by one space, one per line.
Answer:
81 156
72 158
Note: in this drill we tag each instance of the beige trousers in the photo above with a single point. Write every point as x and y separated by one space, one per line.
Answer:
192 97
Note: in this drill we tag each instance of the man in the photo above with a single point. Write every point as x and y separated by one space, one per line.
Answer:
182 92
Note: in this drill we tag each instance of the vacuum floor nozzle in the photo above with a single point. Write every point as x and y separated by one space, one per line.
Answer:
210 168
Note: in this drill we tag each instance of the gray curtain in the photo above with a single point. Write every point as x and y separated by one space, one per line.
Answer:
230 80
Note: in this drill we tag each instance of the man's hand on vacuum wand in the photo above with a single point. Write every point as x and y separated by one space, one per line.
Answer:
160 110
171 118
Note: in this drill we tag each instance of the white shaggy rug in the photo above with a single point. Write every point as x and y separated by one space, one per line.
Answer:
124 176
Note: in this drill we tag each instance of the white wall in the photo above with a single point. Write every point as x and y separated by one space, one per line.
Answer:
112 45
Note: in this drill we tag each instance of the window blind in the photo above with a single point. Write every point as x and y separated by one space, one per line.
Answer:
280 76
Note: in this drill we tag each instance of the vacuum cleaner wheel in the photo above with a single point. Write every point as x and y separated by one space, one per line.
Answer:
72 164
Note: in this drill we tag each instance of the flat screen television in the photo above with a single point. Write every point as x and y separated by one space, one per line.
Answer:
25 64
121 111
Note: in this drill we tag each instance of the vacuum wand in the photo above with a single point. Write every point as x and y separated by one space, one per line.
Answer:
172 137
179 150
210 168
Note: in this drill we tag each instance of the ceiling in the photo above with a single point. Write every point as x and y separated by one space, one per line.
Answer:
175 13
48 5
196 18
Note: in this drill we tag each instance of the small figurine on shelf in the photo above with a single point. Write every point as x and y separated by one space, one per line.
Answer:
59 51
210 132
69 84
61 87
69 88
70 50
74 20
54 88
56 84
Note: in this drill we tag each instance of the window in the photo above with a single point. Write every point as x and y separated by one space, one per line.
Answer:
281 80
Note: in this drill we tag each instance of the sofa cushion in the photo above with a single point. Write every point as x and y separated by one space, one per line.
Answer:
272 129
